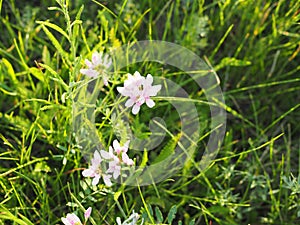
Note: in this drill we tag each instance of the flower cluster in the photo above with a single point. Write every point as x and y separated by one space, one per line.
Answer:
107 165
116 156
98 66
139 90
72 219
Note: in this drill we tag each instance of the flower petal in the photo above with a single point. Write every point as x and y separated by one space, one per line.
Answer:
106 179
129 102
96 180
148 80
96 58
135 109
89 64
153 90
89 72
116 146
87 213
105 154
88 173
126 159
97 158
150 103
65 221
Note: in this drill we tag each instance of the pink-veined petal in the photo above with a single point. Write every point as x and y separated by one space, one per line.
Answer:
96 58
89 64
71 219
87 213
117 146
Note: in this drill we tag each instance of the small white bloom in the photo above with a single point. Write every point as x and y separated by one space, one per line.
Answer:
139 90
96 172
98 66
71 219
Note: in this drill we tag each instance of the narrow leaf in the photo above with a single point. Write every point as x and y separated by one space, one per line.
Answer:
54 27
54 41
171 214
159 215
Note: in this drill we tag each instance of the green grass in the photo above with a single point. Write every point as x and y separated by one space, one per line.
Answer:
253 46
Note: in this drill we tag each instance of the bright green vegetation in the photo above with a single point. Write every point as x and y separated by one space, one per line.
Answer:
254 46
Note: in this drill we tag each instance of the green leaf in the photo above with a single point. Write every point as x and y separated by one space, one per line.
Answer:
10 70
7 215
42 167
192 222
144 159
159 215
54 27
56 77
172 213
168 149
54 41
37 73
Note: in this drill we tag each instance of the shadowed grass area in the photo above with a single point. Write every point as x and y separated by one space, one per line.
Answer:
254 48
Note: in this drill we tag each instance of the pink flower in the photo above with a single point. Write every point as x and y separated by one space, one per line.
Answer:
87 213
71 219
139 90
126 159
95 171
98 66
122 152
114 168
118 148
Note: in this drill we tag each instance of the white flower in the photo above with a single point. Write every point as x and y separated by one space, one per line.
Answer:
96 172
98 66
139 90
71 219
132 219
